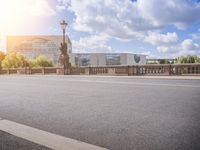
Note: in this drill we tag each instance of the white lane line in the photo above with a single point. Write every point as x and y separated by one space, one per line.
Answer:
120 82
134 83
47 139
115 82
197 77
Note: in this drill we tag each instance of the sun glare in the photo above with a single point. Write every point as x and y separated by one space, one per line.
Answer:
11 13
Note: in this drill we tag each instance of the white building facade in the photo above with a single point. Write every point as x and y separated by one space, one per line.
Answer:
103 59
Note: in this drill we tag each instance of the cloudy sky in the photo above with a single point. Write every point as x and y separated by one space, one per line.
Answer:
158 28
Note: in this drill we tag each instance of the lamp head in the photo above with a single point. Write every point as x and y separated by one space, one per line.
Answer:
63 24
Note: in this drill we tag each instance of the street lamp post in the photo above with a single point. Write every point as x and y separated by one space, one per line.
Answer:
63 25
64 50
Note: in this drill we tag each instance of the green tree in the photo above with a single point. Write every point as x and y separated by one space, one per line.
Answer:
2 56
41 61
32 63
197 60
188 59
14 60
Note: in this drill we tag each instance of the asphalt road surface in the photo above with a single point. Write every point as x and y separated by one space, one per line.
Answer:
118 113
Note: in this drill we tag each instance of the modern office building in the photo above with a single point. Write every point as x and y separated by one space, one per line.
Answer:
101 59
35 45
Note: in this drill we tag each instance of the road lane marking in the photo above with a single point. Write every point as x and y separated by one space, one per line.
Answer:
62 78
44 138
109 76
119 82
134 83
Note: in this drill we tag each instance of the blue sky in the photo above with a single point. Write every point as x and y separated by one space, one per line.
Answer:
158 28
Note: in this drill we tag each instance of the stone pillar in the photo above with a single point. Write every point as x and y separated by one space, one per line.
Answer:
130 70
170 71
87 70
43 71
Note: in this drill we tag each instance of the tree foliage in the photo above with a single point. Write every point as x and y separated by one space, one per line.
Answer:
14 60
32 63
188 59
40 61
2 56
17 60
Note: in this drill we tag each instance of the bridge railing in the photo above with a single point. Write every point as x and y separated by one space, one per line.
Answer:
149 69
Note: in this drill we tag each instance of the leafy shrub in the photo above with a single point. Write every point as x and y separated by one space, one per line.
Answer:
41 61
14 60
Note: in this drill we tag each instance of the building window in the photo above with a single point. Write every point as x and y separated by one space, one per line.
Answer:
137 58
82 60
112 59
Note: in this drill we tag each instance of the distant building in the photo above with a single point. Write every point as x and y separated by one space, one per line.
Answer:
48 45
35 45
101 59
161 61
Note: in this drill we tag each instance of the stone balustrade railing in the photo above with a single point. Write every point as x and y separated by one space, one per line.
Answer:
149 69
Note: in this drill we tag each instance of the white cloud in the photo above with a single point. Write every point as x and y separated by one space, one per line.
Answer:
93 43
177 12
108 17
170 45
129 20
60 7
142 19
41 8
161 39
187 46
149 54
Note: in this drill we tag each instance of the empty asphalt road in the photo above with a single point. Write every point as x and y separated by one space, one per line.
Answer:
119 113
